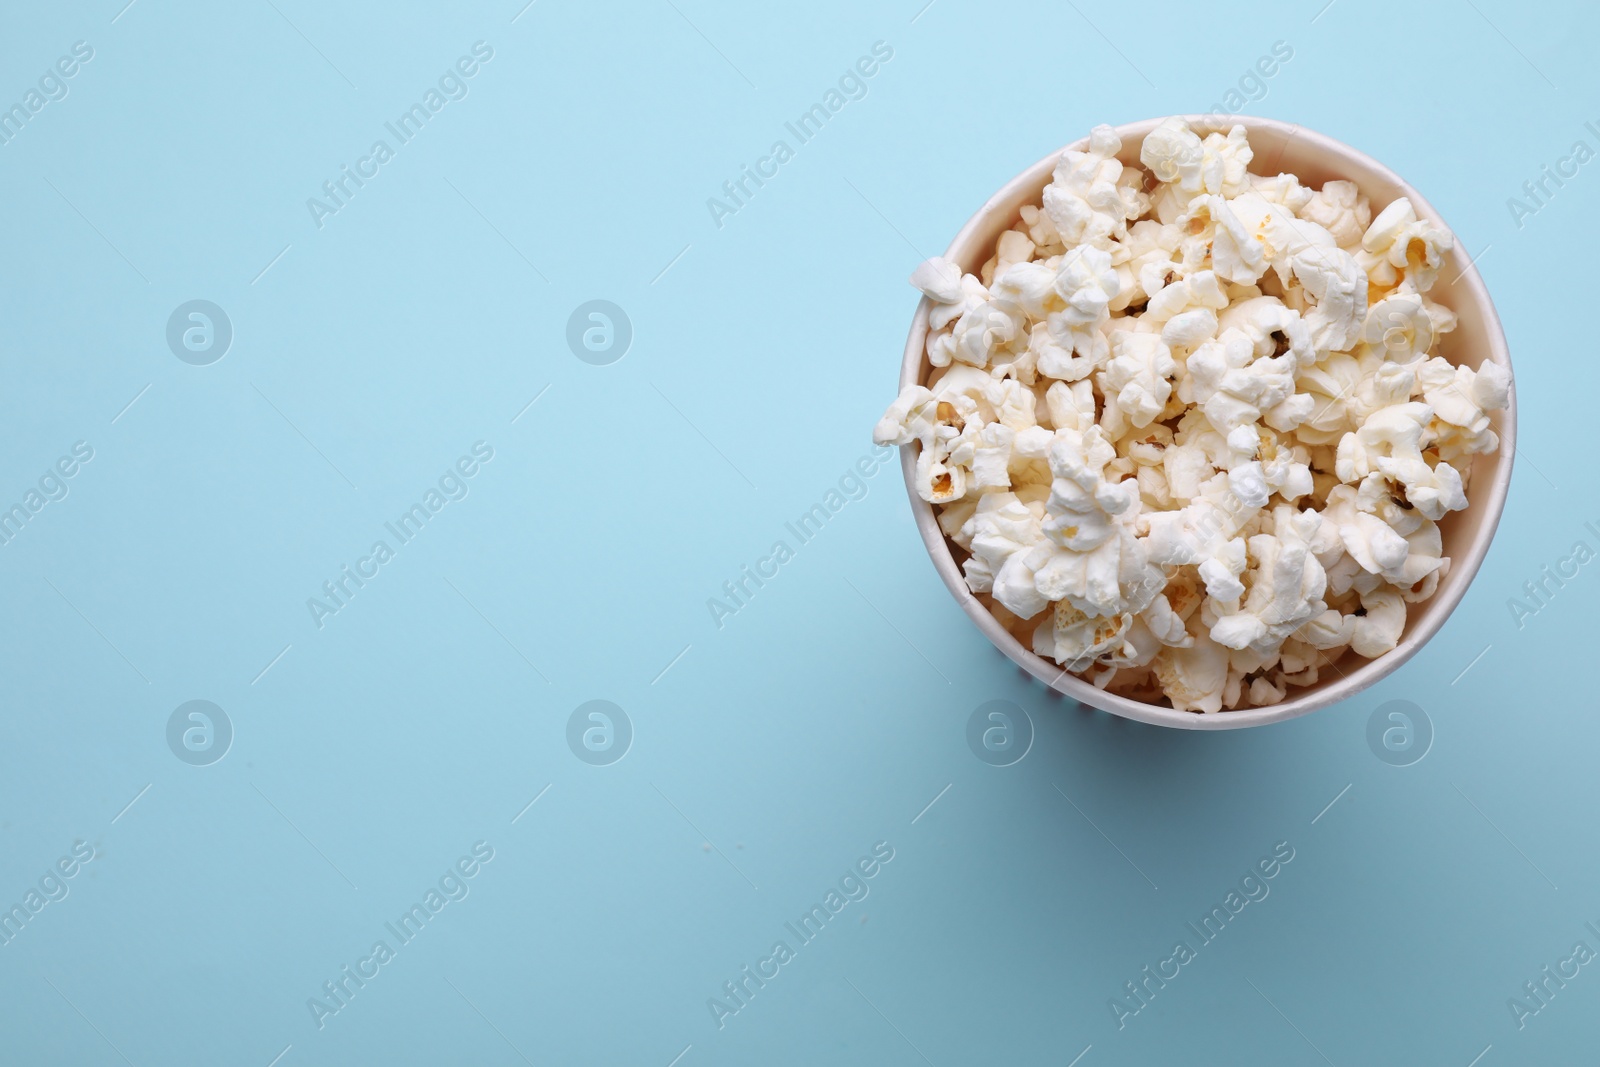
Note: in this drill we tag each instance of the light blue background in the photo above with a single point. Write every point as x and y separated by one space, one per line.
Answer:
778 749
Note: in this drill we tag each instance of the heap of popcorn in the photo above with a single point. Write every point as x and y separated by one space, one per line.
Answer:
1186 426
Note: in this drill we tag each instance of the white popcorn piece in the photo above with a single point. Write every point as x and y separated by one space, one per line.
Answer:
1190 535
1085 579
1014 584
1273 328
954 296
1083 503
1249 483
1221 572
1339 285
1424 589
1032 442
1334 386
1399 326
1152 248
1193 678
939 279
1065 352
1444 320
954 520
1135 201
966 390
991 457
1461 399
1215 164
1265 692
986 329
1282 189
1225 167
1200 291
940 348
1234 388
1084 201
1424 558
1174 154
1187 467
1340 208
1490 387
1041 231
1286 587
1001 526
1069 343
1139 374
1012 248
1184 456
1378 628
1328 630
1278 234
1188 330
1086 284
1389 442
1071 406
1165 624
989 413
1237 255
1390 383
1372 544
1099 566
1013 403
1076 640
938 482
911 417
1029 287
1398 241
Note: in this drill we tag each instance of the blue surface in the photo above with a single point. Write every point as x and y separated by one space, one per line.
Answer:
374 747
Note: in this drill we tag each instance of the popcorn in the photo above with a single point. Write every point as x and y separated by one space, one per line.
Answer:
1389 442
1339 285
1155 260
939 279
1174 154
1071 407
1273 328
1222 571
1399 241
1193 678
1284 189
910 418
1086 284
1341 209
1400 326
1236 254
1073 300
1000 527
1234 387
1460 398
1138 373
1083 503
1190 426
1334 387
1190 166
1084 201
1286 586
1378 627
1076 640
1279 235
985 330
1198 292
1012 248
